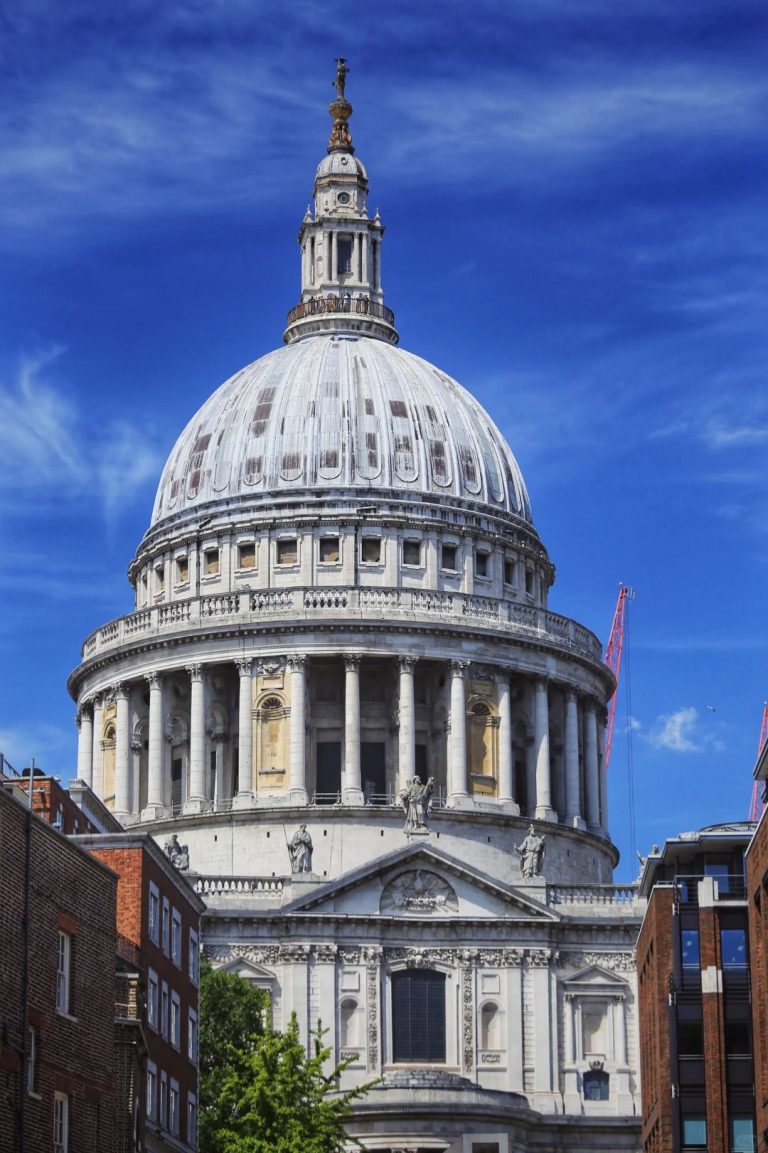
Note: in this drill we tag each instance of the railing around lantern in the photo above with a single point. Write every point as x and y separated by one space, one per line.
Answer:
351 305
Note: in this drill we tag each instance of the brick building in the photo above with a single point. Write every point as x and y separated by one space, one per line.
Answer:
158 934
696 1054
57 986
757 890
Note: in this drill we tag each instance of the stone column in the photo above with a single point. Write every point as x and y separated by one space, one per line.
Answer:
506 792
591 768
195 802
245 789
352 791
327 271
458 793
122 753
85 743
156 752
98 747
544 810
572 798
334 256
218 785
406 754
603 776
298 789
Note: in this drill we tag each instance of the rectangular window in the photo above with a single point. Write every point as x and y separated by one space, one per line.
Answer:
411 552
173 1108
31 1074
153 915
182 570
165 1002
733 948
175 1021
448 557
287 551
152 1000
370 550
176 938
246 556
344 255
194 957
418 1015
191 1119
529 580
166 926
162 1104
742 1135
482 564
192 1037
151 1090
689 941
60 1123
329 550
694 1132
159 578
64 973
509 572
211 562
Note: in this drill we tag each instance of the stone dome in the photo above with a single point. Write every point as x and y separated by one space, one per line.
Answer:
341 411
341 164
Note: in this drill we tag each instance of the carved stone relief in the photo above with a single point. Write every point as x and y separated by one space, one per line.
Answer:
419 892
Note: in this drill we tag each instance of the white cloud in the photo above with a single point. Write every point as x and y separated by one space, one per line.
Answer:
675 731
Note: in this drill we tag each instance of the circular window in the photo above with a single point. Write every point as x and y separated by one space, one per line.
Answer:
344 198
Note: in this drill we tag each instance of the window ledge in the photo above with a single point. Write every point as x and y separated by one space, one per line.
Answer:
33 1095
67 1016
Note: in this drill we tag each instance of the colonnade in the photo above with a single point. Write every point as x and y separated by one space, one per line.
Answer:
582 789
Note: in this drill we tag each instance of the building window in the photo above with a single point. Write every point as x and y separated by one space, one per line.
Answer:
733 948
509 571
329 550
211 562
370 550
159 579
175 1021
164 1010
529 581
182 570
596 1085
166 926
742 1135
418 1015
162 1104
448 556
482 564
60 1123
173 1108
31 1074
689 942
194 957
343 255
246 556
151 1090
191 1119
176 938
154 914
694 1132
412 552
192 1037
152 1000
64 973
287 551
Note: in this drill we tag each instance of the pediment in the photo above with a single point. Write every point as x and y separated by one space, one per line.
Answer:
594 979
256 974
420 882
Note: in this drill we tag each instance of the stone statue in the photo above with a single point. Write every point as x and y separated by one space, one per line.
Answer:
341 77
177 854
300 848
531 852
416 800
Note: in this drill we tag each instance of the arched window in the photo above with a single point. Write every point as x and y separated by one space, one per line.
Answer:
481 710
489 1026
418 1015
596 1085
348 1024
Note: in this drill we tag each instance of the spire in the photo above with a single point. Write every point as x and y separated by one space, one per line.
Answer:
340 245
340 110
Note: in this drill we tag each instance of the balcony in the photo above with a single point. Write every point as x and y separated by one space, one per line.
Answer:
344 305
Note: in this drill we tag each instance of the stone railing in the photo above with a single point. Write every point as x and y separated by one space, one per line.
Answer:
615 896
268 888
381 604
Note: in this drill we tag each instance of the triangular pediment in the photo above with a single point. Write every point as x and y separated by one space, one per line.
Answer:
593 978
420 882
240 967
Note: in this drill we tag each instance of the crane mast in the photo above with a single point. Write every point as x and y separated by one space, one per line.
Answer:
613 652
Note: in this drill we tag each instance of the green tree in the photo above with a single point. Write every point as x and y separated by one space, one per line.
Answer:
259 1090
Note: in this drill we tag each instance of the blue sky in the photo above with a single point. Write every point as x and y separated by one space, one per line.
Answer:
574 197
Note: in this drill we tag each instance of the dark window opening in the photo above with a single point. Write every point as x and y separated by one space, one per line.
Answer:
344 255
418 1016
596 1085
329 549
482 560
287 552
411 552
449 553
328 777
370 550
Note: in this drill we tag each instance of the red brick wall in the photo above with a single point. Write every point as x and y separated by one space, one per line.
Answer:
655 966
49 799
71 891
757 898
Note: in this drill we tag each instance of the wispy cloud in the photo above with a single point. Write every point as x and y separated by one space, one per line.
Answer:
679 732
52 746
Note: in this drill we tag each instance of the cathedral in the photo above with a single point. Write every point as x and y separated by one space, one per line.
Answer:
341 700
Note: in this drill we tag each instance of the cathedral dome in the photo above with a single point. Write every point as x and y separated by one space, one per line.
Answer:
341 411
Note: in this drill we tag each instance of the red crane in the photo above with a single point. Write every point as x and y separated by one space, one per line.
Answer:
756 808
613 651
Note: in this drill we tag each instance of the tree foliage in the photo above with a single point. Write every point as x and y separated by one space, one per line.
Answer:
259 1090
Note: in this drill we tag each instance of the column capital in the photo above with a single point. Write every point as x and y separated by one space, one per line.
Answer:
297 661
244 666
119 689
136 745
407 663
541 684
154 680
195 672
352 661
458 668
571 695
